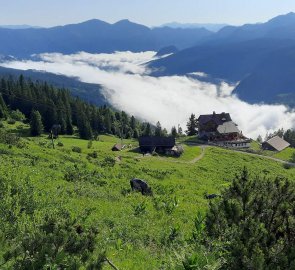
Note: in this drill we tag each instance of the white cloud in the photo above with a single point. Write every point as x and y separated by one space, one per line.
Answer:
168 99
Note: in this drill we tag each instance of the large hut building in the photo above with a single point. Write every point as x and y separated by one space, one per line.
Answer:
220 129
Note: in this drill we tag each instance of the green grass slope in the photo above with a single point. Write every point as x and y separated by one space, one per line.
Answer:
137 232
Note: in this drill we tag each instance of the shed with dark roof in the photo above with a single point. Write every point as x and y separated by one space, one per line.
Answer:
155 143
275 143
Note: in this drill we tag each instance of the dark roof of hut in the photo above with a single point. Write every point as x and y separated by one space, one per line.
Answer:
154 141
219 119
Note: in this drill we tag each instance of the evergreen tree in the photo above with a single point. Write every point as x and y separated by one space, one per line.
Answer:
136 133
133 122
254 222
62 122
192 126
158 130
108 123
84 128
36 125
179 130
70 129
259 139
3 108
50 117
148 130
174 132
289 136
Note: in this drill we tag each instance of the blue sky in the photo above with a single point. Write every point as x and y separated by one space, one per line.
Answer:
148 12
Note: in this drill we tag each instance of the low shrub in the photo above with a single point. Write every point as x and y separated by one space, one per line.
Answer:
287 166
11 121
139 209
17 115
11 139
89 144
93 154
108 162
77 149
168 204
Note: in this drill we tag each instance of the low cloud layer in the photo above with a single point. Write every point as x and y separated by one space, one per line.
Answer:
169 99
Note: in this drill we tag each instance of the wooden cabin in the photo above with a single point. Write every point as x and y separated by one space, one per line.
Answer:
161 145
118 147
221 130
275 143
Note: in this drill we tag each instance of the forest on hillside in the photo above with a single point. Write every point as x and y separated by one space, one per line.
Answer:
58 107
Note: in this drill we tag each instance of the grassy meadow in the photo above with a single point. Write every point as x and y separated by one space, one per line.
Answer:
136 232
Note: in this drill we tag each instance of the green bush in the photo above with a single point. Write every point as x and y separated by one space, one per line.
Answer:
17 115
11 139
11 121
77 149
60 144
93 154
167 204
89 144
254 223
108 162
139 209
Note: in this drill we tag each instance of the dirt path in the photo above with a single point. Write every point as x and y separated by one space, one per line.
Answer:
203 147
251 154
266 157
195 160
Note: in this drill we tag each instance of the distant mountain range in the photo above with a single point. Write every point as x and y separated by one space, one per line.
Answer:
214 27
22 26
96 36
261 57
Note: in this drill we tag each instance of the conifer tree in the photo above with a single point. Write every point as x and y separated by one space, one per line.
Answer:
50 117
192 126
133 122
36 126
158 130
70 129
174 132
136 133
253 219
148 130
108 123
179 130
84 127
3 108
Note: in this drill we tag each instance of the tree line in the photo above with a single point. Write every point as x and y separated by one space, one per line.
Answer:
46 106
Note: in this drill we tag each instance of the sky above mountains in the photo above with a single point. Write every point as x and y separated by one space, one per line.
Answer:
151 13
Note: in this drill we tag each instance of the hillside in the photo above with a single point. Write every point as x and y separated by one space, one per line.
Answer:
91 93
260 57
136 232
